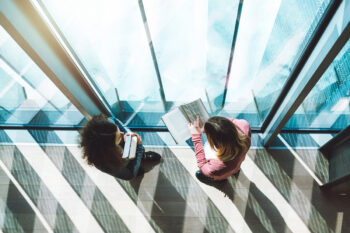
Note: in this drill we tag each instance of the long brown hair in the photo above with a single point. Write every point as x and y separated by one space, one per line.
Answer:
97 140
224 138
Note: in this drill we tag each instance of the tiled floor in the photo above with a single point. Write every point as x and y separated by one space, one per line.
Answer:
47 187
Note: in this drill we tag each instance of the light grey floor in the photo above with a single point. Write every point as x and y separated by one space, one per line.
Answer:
46 187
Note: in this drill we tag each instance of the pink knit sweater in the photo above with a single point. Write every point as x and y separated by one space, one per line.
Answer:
216 168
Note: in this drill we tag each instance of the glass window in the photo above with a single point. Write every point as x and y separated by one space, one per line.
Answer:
191 40
24 98
109 39
328 104
271 38
192 44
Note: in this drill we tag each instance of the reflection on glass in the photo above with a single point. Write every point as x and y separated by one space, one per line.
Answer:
109 39
24 98
191 39
192 43
271 38
328 103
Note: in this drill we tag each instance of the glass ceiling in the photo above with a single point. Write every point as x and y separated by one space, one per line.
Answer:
146 56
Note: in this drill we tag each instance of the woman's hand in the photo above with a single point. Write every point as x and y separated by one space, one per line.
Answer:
196 127
139 140
121 138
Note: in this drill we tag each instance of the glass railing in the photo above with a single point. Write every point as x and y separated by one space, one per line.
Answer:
109 39
328 104
185 55
27 96
144 57
271 39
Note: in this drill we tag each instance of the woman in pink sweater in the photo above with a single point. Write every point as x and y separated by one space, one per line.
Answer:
229 140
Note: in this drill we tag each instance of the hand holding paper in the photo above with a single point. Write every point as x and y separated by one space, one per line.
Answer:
177 120
196 127
131 141
139 141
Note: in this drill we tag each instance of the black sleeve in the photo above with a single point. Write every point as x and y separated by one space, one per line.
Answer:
131 169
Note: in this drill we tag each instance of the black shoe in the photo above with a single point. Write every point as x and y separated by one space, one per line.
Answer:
207 179
203 178
140 172
151 156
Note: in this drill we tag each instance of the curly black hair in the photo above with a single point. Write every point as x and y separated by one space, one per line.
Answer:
97 140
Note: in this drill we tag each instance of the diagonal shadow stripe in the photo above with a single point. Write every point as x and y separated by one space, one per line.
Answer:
275 197
21 209
224 206
16 213
55 182
175 188
81 183
114 194
290 191
8 220
37 191
86 189
265 210
259 212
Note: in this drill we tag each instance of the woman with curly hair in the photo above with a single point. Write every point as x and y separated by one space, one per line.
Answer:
102 140
228 143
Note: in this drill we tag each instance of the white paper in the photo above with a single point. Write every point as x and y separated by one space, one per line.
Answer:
195 108
177 125
133 146
126 151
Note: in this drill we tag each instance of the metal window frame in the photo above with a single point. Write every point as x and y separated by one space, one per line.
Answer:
24 23
326 18
334 37
26 26
155 129
233 45
334 142
153 54
91 82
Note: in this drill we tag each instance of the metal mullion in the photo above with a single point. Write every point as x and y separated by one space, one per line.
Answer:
26 26
39 127
77 61
154 57
328 47
338 139
311 131
26 82
234 39
332 8
154 129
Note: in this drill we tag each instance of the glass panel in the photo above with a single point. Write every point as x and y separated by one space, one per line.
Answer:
24 98
191 39
110 40
328 104
272 35
192 44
